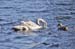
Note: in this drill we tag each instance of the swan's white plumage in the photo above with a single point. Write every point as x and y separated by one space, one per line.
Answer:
30 25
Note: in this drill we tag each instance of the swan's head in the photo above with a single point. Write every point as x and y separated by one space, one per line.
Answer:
42 22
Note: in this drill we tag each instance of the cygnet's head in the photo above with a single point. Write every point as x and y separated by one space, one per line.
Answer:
60 24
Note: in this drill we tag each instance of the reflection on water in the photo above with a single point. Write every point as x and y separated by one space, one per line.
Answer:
12 12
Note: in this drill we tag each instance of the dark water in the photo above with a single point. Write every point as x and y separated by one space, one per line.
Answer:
53 11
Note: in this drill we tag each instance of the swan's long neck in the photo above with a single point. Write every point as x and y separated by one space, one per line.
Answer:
44 23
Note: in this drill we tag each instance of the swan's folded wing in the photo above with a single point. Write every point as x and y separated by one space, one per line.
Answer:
33 26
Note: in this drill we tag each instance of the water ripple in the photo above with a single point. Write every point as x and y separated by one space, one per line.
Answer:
14 11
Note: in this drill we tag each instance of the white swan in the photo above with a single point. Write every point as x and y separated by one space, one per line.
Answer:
29 25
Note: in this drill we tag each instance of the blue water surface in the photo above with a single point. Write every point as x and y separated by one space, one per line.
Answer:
12 12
